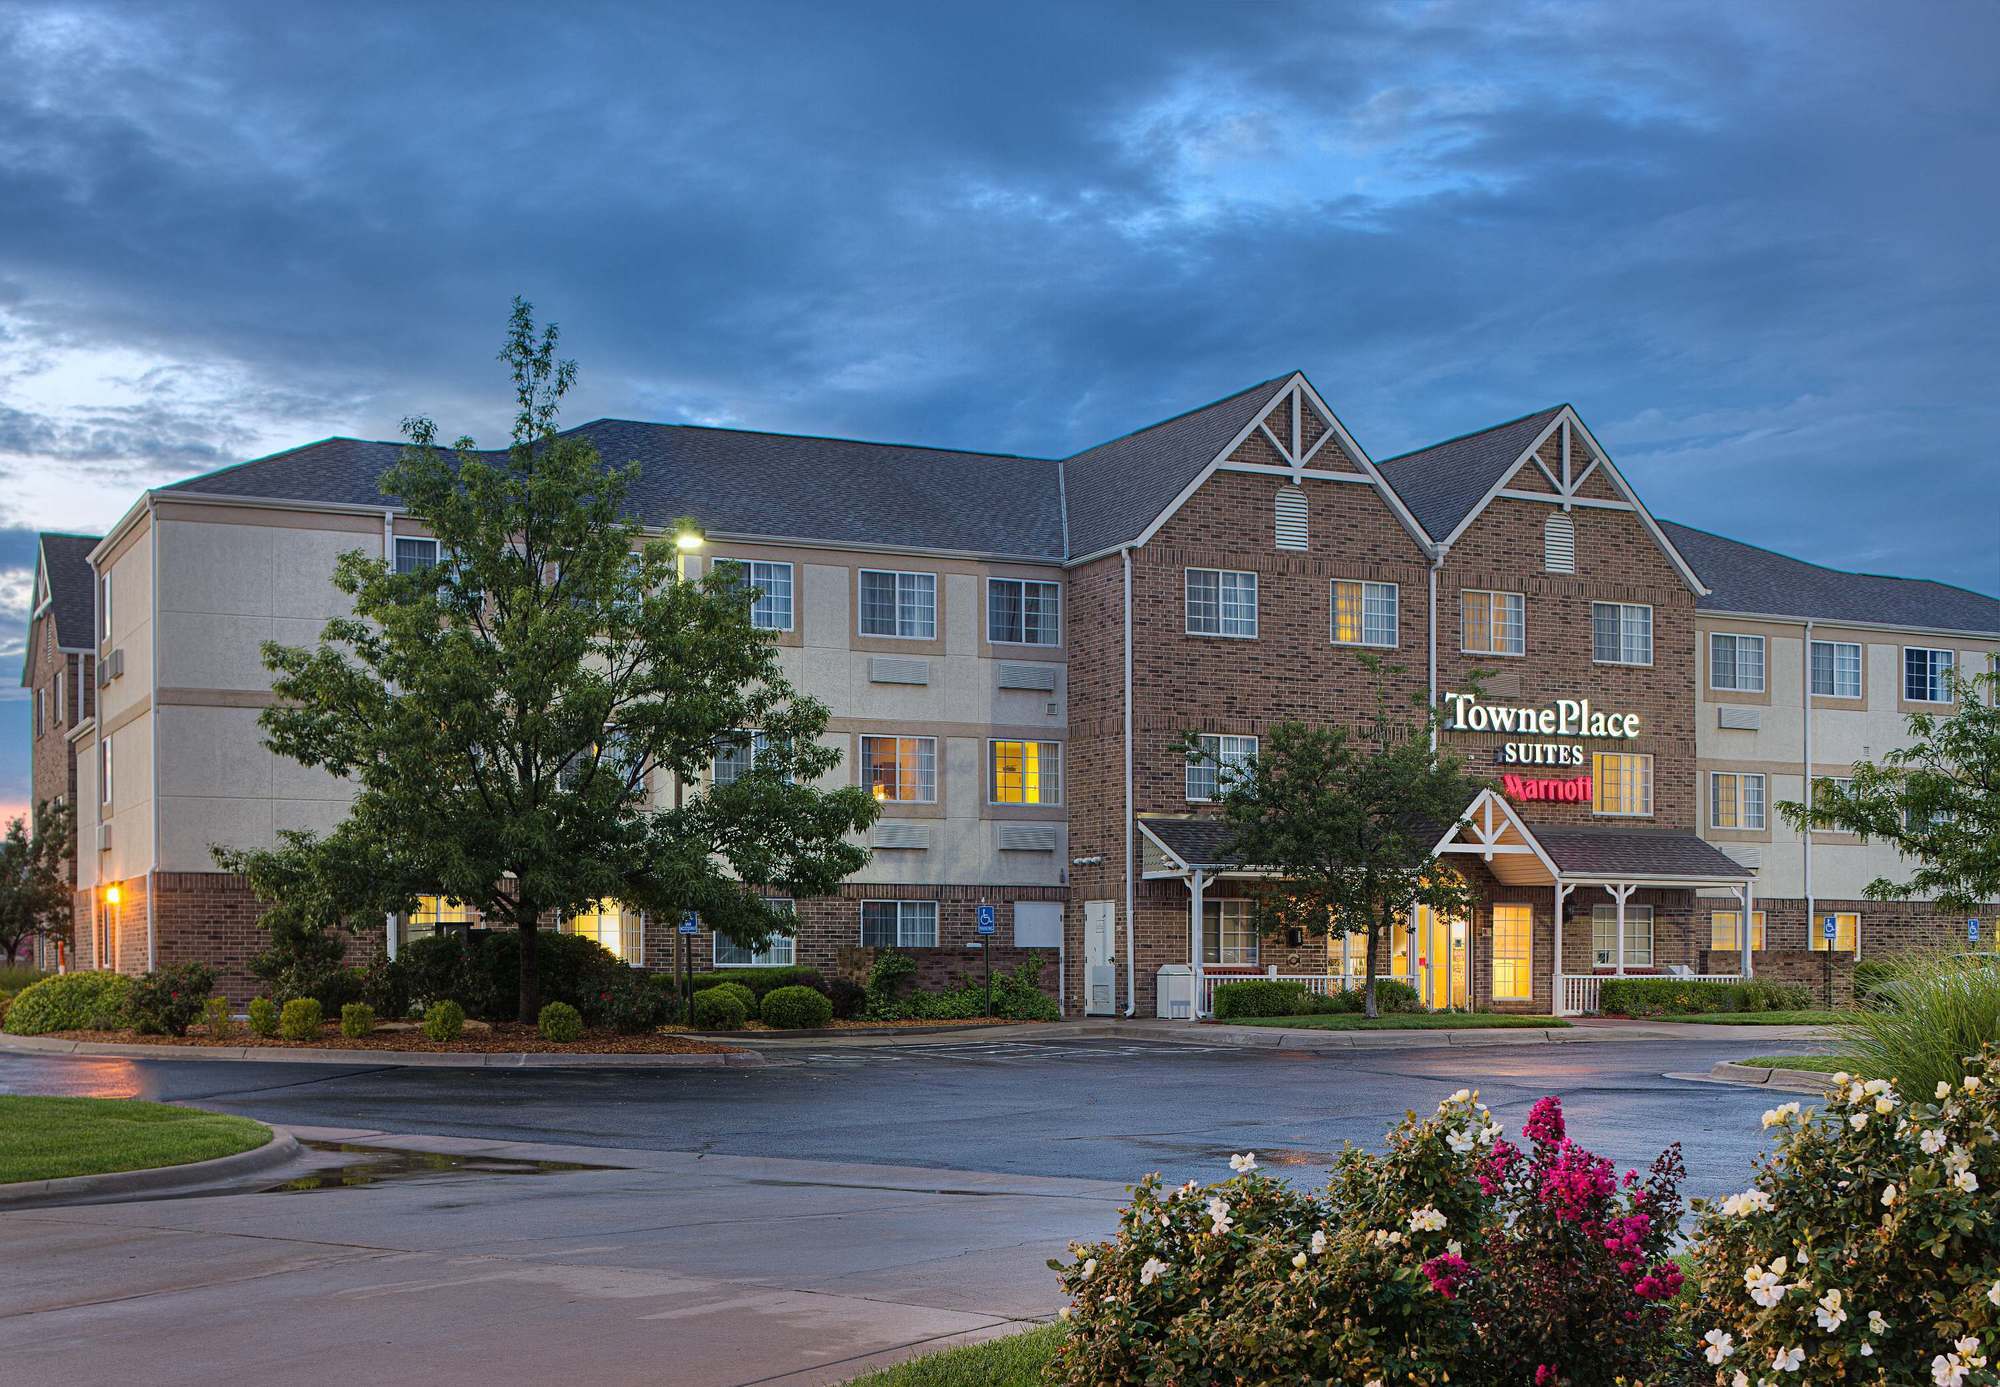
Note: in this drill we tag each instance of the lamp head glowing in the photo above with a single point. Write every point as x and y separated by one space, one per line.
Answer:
881 793
112 895
687 535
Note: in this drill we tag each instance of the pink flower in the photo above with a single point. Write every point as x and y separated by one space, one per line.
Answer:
1545 1122
1445 1272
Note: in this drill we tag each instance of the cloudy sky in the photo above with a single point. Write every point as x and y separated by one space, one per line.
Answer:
1751 243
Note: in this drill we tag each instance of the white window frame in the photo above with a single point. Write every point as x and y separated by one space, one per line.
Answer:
1735 935
1051 752
104 768
1626 630
764 607
1743 783
1834 668
1934 672
756 741
922 585
1738 643
61 671
1526 958
1607 915
1367 590
1490 598
1232 916
927 794
396 553
1228 749
767 957
1221 630
1644 762
104 607
911 919
1022 585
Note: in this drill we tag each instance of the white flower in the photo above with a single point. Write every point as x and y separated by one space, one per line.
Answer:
1089 1267
1490 1133
1972 1083
1856 1093
1888 1195
1957 1159
1063 1313
1385 1237
1742 1379
1298 1259
1966 1181
1426 1220
1245 1162
1787 1360
1968 1349
1152 1271
1318 1243
1763 1286
1748 1202
1460 1143
1867 1349
1932 1142
1885 1105
1218 1213
1857 1120
1877 1085
1455 1248
1876 1324
1720 1345
1994 1294
1458 1097
1843 1078
1944 1088
1831 1315
1947 1371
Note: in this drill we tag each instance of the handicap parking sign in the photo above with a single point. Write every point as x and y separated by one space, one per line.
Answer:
690 923
986 919
1972 930
1831 928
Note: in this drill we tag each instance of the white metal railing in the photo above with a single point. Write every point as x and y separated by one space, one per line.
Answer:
1319 984
1581 992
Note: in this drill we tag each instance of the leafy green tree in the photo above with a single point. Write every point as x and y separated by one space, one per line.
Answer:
1936 800
1345 819
35 879
513 717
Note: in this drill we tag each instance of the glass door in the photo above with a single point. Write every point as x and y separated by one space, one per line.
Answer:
1441 960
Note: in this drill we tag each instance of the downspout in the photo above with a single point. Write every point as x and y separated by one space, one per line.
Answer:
1807 797
1432 644
153 696
1131 892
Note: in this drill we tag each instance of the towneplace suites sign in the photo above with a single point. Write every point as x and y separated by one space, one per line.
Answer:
1565 718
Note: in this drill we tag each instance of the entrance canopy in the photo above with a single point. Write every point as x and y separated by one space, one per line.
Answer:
1517 855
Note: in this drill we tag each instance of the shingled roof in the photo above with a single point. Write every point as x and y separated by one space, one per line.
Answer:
1643 852
72 598
1198 842
1443 483
1744 578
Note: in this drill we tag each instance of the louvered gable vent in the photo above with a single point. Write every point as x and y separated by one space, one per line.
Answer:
1559 544
1291 516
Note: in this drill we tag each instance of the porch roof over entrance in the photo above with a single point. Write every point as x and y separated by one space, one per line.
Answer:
1493 830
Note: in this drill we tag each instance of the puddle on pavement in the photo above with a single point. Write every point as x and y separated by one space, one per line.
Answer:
373 1165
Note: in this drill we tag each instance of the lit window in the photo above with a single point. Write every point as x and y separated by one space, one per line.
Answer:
1638 936
1221 602
1228 934
778 951
1513 953
415 555
899 924
1846 933
771 608
1621 783
1924 674
1736 662
1021 612
1364 613
619 930
434 912
1027 772
1725 931
899 604
1621 633
1826 787
1215 771
903 769
1836 669
1735 800
1492 623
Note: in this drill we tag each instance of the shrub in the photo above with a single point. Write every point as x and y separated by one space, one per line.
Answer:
560 1023
443 1020
570 967
301 1019
215 1018
1935 1012
751 1000
441 966
1261 997
718 1009
627 1002
795 1009
263 1017
18 977
1017 996
1868 1244
70 1002
890 975
1392 996
357 1020
169 1000
385 986
849 997
758 980
1682 996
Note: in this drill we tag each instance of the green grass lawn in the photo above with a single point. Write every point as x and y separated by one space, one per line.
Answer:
1818 1064
1014 1361
51 1138
1407 1021
1758 1018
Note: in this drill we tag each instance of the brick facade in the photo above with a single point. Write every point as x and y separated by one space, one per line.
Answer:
56 680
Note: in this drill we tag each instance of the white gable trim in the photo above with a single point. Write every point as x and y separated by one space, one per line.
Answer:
1624 488
1482 823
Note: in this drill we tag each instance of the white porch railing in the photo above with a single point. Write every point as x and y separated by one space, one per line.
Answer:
1319 984
1582 991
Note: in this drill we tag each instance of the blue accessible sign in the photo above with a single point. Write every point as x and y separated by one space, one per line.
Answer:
1972 930
986 919
1830 927
690 923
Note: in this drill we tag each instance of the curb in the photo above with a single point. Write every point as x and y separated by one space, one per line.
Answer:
1786 1080
375 1059
282 1147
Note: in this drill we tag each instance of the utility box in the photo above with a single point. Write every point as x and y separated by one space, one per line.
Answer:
1173 990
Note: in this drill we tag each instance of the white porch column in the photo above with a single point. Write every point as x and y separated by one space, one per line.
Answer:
1558 1000
1196 886
1620 894
1749 895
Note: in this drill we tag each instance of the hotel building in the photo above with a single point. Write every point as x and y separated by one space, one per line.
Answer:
1011 648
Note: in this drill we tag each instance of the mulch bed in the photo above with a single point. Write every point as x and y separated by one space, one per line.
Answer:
502 1037
758 1027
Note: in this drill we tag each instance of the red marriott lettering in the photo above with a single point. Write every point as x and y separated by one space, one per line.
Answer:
1575 790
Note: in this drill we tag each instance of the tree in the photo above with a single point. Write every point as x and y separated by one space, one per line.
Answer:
509 715
1345 819
1936 800
35 879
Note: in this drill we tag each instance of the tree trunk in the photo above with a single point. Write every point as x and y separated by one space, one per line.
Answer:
1368 993
530 1009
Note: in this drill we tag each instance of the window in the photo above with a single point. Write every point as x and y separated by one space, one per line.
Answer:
1559 544
1824 786
1208 775
1725 931
1492 623
104 769
1228 934
1513 953
415 555
1621 633
771 609
104 609
1221 603
1638 935
1621 784
1020 612
41 702
1735 800
1364 613
1846 932
1027 772
778 951
433 913
899 924
1736 662
903 769
899 604
619 930
736 755
59 694
1924 675
1836 669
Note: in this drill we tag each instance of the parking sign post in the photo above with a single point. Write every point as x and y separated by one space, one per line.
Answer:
1830 929
986 948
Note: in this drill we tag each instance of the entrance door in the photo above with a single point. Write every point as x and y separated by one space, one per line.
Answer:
1100 958
1442 978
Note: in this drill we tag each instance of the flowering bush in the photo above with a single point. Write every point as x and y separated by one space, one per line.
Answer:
1868 1248
1452 1257
169 1000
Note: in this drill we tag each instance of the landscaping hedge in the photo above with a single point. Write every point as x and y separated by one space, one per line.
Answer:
560 1023
758 980
1684 996
795 1009
70 1002
1284 997
718 1009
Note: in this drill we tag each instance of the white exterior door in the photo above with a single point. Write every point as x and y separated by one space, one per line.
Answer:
1100 958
